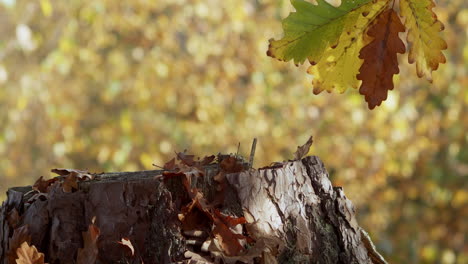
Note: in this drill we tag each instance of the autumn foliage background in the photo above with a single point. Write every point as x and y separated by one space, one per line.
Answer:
118 85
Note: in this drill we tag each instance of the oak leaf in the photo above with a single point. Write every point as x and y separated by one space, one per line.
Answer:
337 69
20 236
186 158
29 255
170 165
312 29
423 36
80 174
70 183
89 252
380 58
231 164
42 185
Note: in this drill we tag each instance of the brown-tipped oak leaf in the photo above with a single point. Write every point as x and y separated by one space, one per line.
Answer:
380 58
423 35
355 44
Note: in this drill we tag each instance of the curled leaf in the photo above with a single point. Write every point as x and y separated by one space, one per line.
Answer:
29 255
128 244
304 149
42 185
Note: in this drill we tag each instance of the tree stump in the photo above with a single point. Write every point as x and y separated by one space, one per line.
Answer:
222 212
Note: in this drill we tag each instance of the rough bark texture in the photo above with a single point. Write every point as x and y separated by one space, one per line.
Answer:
293 213
297 203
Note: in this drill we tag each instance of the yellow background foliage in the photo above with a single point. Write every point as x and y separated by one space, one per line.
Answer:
110 85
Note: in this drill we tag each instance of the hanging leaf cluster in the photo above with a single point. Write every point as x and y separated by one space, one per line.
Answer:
356 43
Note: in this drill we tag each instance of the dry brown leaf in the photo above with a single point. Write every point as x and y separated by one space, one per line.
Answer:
128 244
20 235
229 220
42 185
231 164
195 216
170 165
70 182
303 150
228 240
380 58
206 160
186 173
89 252
186 158
196 258
81 175
29 255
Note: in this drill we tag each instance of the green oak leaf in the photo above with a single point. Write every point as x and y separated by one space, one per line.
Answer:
312 29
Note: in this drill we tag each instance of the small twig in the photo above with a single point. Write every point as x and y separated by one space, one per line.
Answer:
157 166
237 153
252 152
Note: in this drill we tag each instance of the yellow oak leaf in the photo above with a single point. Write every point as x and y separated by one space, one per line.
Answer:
423 36
339 65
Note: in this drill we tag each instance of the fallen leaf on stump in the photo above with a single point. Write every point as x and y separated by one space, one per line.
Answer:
127 244
303 150
70 182
42 185
231 165
186 158
170 165
89 252
82 175
29 255
20 235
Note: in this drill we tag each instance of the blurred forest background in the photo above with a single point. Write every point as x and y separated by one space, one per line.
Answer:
110 85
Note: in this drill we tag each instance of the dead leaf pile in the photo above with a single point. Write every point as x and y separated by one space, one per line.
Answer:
71 177
211 235
68 178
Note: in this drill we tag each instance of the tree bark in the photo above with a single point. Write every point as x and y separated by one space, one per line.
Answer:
292 213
